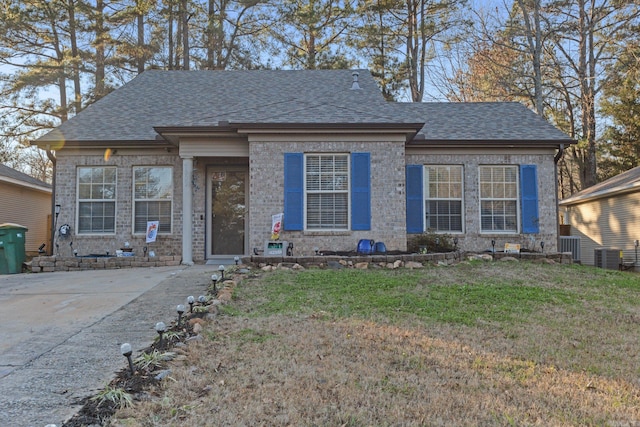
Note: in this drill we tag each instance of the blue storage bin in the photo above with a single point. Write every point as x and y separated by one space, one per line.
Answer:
380 248
366 246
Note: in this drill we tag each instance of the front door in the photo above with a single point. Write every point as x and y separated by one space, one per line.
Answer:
227 208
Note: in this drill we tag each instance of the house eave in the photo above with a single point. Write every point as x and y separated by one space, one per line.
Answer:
75 144
496 143
576 200
173 133
19 183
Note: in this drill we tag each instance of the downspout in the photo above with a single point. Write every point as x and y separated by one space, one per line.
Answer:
556 159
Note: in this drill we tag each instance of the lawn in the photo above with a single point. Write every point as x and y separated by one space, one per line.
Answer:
498 343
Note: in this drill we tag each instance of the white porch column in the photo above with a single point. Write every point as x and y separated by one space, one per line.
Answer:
187 211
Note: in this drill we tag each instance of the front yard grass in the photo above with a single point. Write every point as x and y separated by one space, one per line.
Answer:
500 343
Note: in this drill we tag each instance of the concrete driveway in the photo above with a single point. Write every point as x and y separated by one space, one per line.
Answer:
61 333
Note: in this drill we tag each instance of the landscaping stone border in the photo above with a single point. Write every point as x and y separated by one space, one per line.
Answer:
44 264
406 260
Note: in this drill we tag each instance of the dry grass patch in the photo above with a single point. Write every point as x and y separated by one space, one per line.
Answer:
570 360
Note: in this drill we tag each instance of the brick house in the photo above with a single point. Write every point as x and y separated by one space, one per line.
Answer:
213 155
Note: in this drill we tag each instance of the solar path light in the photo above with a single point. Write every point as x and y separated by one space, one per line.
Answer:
126 351
160 329
214 279
191 300
180 310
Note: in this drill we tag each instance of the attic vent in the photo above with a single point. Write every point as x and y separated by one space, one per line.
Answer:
355 85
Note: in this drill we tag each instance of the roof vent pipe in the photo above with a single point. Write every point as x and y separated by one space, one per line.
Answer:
355 85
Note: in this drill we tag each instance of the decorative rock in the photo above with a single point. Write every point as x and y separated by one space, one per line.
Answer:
196 320
480 257
197 328
266 268
334 265
163 374
390 266
194 338
397 263
413 264
343 263
362 265
244 271
297 266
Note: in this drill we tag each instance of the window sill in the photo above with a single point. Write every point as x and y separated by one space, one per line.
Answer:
327 233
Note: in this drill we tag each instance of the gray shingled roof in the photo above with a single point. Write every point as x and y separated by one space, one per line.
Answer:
14 175
165 99
625 182
483 121
204 98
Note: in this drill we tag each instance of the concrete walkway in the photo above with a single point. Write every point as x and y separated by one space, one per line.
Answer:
61 333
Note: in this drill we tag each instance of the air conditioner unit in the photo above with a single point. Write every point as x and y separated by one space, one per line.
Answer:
607 258
571 244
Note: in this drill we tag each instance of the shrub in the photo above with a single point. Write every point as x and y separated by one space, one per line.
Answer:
430 242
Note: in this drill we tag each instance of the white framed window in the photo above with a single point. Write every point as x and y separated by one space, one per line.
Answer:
96 193
152 197
499 199
326 191
443 198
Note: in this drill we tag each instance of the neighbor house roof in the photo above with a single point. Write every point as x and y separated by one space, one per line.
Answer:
625 182
158 100
15 177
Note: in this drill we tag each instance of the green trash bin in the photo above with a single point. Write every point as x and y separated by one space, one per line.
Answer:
12 252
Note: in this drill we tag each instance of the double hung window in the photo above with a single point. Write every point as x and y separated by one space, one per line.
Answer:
443 198
499 198
327 191
96 200
153 195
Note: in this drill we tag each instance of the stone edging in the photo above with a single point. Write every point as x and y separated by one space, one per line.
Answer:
45 264
407 260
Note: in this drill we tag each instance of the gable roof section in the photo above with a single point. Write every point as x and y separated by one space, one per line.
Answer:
476 123
15 177
157 99
625 182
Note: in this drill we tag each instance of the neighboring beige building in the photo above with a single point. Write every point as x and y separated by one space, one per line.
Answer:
212 155
606 218
26 201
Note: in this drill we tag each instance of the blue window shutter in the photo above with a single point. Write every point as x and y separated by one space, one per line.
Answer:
529 198
415 202
293 191
360 191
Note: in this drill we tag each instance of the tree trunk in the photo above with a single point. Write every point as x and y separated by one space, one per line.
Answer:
185 36
170 40
211 35
141 48
100 87
75 57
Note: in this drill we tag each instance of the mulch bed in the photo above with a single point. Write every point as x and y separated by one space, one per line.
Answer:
95 412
